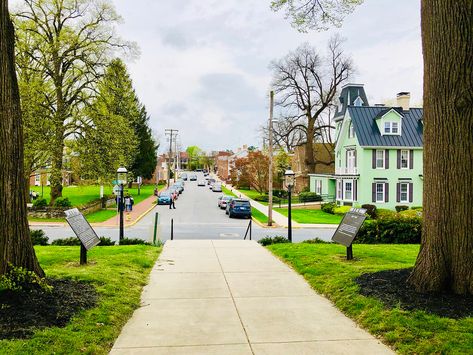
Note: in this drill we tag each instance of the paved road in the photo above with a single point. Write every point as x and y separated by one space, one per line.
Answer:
196 217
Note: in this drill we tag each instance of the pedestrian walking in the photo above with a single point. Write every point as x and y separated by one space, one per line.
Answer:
132 202
127 203
172 204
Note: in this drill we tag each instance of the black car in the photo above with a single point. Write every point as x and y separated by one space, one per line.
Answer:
239 207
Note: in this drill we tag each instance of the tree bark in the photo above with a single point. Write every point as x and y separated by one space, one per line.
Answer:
445 261
15 243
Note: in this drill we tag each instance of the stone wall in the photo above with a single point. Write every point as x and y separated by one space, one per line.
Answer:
57 212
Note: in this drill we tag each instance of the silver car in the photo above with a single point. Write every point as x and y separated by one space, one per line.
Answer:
217 187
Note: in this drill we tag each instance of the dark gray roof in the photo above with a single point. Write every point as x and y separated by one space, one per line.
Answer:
386 110
347 98
368 134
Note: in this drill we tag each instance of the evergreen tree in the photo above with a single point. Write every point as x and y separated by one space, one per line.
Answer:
145 160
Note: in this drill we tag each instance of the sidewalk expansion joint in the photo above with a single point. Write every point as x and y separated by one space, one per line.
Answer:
233 300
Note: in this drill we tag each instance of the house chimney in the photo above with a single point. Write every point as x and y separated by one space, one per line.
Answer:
245 147
403 99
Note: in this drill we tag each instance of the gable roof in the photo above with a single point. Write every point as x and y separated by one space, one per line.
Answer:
368 134
389 109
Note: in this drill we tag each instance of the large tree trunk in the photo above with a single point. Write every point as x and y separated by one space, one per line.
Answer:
445 261
309 147
15 242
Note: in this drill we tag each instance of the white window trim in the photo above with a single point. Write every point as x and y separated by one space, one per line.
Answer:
384 159
345 182
318 187
351 130
339 189
384 192
390 124
407 192
408 159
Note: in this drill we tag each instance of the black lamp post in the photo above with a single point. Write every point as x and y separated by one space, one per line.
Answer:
289 176
121 180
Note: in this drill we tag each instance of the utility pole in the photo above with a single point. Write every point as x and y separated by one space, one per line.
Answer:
172 133
270 151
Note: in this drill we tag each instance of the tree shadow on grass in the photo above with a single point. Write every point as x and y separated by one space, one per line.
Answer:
391 287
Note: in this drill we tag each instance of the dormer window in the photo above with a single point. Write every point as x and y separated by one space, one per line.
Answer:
351 131
358 102
391 128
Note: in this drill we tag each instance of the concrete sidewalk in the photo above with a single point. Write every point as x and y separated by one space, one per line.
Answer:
235 297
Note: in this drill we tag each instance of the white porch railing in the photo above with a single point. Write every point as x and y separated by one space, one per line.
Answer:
346 171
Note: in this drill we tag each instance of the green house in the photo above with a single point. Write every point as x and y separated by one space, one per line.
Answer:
378 153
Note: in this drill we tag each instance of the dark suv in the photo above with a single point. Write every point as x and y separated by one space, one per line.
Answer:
239 207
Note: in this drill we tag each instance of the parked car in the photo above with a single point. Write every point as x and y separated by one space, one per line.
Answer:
183 176
193 178
181 181
222 201
174 188
227 207
201 183
239 207
217 187
164 198
180 187
210 181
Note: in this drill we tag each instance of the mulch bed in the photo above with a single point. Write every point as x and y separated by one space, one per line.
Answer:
21 313
390 287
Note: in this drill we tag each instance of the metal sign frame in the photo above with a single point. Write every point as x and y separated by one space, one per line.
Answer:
83 230
348 229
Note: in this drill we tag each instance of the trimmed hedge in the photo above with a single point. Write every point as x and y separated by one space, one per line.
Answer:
371 210
38 237
62 202
265 198
40 202
328 207
72 241
309 197
341 210
401 208
397 229
273 240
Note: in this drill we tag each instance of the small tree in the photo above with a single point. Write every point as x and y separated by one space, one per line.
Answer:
258 171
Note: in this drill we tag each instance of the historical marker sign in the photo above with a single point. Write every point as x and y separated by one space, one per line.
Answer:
349 226
82 228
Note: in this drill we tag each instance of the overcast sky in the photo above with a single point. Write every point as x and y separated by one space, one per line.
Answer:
204 64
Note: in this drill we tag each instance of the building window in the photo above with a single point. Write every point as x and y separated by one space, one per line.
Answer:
404 192
387 127
348 191
358 102
380 159
351 159
404 159
351 131
395 128
318 187
380 192
339 189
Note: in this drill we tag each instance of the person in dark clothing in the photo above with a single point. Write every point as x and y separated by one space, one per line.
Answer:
172 204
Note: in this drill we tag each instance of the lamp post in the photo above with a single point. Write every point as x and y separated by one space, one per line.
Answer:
289 176
270 152
121 180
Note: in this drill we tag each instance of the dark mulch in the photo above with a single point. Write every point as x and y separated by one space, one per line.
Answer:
390 286
21 313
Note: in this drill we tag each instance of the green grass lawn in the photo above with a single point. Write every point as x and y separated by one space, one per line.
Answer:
260 217
311 216
118 273
408 332
252 194
227 191
81 195
92 193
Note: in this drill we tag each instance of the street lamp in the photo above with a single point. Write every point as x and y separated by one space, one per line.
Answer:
121 180
289 177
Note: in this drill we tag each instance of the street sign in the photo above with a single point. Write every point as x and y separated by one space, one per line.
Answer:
83 231
348 229
114 182
116 189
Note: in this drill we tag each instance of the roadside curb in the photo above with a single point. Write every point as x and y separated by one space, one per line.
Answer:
141 216
262 225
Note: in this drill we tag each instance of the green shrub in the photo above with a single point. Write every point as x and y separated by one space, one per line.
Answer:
391 230
38 237
105 242
401 208
62 202
416 208
280 193
328 207
73 241
385 213
265 198
309 197
132 241
370 210
316 241
40 202
341 210
306 189
273 240
18 279
410 213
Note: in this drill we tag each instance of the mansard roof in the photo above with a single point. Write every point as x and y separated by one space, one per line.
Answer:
368 134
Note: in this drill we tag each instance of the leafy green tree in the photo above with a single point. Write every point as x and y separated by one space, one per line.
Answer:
144 163
16 248
70 44
195 154
446 254
109 141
